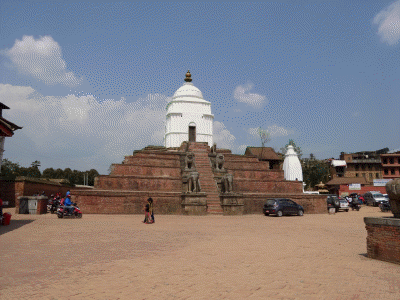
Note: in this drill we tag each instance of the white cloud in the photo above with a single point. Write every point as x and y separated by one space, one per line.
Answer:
222 137
97 132
273 130
242 94
42 59
388 21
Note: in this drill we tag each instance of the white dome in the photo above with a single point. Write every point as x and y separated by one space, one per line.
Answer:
187 90
291 165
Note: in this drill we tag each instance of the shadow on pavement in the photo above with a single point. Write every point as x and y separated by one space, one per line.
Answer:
14 224
364 254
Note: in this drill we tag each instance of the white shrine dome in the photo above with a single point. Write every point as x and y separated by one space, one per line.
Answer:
188 90
291 165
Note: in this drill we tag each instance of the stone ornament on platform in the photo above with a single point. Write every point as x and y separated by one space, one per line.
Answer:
193 182
219 162
227 183
189 161
393 190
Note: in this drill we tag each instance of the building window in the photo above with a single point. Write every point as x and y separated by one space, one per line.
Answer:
356 174
363 167
370 167
391 160
357 167
377 175
385 161
392 171
386 171
370 175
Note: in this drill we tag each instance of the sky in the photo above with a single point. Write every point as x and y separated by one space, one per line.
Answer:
89 81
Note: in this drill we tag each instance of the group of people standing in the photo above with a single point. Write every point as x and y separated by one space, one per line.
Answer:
149 212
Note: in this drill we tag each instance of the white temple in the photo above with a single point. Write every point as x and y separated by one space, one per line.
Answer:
189 117
291 165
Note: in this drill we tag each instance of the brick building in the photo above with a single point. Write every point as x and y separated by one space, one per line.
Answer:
365 164
266 154
391 165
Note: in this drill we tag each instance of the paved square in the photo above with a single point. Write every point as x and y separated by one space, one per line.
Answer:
185 257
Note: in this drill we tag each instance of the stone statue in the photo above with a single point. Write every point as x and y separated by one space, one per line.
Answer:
393 191
214 149
189 161
193 182
227 183
219 162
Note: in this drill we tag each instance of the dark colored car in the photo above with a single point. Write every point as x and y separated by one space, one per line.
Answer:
281 206
333 201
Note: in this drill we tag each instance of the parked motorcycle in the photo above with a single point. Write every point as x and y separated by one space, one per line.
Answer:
53 205
384 206
62 212
355 206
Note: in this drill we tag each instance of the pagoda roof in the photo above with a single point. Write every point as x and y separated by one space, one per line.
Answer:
7 128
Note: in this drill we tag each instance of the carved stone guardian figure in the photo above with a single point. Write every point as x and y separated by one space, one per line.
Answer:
189 161
227 183
193 182
393 191
219 162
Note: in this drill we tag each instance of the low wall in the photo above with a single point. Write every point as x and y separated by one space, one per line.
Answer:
383 238
126 202
10 190
312 204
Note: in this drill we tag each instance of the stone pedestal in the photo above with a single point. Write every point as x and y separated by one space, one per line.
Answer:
232 203
383 238
194 203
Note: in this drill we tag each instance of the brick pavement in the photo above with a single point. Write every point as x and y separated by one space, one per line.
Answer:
189 257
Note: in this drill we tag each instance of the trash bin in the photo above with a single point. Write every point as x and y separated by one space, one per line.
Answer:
6 219
32 205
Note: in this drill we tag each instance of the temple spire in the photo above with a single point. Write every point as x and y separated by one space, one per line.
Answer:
188 77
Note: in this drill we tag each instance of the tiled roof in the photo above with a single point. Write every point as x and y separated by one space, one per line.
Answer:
262 153
346 180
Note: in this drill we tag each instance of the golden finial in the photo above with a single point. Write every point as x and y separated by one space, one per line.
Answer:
188 77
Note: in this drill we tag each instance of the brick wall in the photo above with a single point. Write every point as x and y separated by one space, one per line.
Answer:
345 189
7 192
312 204
126 202
383 238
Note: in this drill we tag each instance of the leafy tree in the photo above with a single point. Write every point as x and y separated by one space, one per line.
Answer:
49 173
314 171
92 175
9 169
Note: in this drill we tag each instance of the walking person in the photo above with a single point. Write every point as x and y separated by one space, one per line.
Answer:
151 210
147 213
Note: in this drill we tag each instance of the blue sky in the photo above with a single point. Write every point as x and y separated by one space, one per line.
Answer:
89 81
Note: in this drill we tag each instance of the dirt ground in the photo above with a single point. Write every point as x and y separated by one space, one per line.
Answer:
188 257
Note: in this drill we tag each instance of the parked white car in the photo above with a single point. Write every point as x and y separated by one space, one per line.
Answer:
344 205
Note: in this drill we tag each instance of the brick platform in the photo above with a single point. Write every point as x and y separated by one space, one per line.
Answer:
158 172
383 240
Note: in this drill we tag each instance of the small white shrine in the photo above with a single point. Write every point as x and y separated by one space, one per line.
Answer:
291 165
189 117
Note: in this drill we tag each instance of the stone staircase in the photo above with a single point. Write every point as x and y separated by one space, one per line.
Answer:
206 177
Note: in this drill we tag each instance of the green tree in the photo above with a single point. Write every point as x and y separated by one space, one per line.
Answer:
49 173
92 174
314 171
9 169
